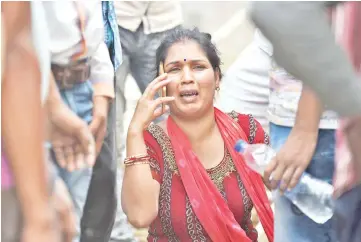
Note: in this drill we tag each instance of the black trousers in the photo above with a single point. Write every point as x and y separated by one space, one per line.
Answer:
100 207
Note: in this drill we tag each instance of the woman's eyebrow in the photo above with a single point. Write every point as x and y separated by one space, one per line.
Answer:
172 63
176 62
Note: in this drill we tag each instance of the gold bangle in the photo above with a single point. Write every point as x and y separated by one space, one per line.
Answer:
137 163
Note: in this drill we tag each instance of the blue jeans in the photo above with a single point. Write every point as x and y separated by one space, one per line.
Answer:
80 100
291 225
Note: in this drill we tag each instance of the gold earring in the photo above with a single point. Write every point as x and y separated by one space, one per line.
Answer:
217 88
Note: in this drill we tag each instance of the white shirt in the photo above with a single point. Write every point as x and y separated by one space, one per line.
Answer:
65 40
156 16
41 41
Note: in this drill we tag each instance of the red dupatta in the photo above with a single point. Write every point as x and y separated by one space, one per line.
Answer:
207 202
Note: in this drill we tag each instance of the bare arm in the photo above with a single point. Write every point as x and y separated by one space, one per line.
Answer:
305 46
309 111
140 193
296 154
22 121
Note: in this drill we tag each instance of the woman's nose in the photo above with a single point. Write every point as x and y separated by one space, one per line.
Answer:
188 76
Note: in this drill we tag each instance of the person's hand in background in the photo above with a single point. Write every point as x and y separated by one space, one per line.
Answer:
70 136
98 126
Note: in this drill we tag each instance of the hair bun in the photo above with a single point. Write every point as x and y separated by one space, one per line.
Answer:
207 35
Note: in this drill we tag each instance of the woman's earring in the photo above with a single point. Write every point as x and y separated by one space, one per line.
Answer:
217 88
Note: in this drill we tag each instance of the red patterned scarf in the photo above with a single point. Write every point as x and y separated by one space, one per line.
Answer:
207 202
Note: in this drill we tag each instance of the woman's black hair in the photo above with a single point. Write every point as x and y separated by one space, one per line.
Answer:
182 34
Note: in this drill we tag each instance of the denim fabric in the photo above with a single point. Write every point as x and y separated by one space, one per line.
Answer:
80 101
290 223
111 34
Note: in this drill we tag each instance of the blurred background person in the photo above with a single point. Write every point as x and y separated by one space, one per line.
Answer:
83 72
25 197
304 44
294 119
245 85
28 61
103 212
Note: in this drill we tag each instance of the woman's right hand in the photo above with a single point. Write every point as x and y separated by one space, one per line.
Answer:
146 110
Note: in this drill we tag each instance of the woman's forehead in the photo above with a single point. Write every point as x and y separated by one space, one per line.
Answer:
185 50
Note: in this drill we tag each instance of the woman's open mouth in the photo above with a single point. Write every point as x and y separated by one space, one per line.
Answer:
189 96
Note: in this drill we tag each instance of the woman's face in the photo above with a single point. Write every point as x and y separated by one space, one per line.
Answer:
193 80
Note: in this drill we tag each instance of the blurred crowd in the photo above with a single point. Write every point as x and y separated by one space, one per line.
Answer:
69 172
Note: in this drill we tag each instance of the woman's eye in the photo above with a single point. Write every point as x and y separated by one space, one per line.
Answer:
198 67
174 69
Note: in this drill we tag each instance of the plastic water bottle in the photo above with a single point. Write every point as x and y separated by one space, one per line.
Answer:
312 196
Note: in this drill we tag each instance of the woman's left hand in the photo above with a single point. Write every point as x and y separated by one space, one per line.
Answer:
287 166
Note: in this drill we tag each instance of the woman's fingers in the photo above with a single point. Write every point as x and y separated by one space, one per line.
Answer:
159 111
158 87
153 83
163 100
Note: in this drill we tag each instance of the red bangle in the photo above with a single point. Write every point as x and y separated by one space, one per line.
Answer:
136 159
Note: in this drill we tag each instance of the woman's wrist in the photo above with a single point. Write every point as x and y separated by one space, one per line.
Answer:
135 129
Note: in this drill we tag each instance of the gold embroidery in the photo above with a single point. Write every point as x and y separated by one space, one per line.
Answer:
153 163
194 227
266 139
165 145
222 170
166 186
247 205
252 129
234 115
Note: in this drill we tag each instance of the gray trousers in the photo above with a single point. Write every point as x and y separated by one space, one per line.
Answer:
348 216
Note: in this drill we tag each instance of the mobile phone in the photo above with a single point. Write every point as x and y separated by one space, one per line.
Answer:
163 91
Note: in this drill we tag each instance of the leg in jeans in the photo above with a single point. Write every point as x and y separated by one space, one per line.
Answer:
80 101
290 223
99 211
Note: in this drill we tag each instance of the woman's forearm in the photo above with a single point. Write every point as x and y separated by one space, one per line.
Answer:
23 129
140 192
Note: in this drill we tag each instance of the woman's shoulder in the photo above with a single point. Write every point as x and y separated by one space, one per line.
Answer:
243 119
156 138
252 128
